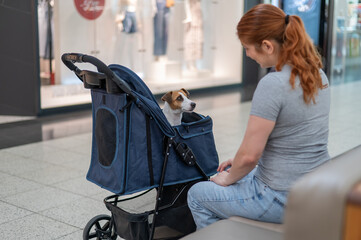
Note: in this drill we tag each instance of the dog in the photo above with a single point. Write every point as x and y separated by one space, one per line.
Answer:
175 103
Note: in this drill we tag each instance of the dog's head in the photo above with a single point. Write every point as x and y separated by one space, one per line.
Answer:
179 100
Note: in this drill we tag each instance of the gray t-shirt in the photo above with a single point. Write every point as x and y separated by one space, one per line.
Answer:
298 142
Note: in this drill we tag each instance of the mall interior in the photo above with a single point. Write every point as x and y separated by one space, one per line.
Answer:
46 119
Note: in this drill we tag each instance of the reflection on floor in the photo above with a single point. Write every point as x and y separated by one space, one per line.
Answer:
31 129
43 190
11 119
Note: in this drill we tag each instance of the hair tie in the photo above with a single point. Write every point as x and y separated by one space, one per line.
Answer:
287 19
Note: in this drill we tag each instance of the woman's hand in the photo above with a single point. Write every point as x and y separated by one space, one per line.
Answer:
220 179
224 165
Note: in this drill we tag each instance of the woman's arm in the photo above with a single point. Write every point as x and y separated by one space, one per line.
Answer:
248 154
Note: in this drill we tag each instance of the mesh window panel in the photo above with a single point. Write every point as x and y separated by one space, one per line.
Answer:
106 136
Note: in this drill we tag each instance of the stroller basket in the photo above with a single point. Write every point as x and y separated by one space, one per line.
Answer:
133 219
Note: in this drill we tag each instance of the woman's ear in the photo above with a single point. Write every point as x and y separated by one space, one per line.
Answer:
268 46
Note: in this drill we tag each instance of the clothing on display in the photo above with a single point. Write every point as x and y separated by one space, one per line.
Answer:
129 22
45 26
193 31
126 18
161 22
127 41
46 41
128 3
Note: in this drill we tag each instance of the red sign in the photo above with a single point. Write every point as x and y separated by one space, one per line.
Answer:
90 9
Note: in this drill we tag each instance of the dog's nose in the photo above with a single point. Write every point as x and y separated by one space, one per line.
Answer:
193 105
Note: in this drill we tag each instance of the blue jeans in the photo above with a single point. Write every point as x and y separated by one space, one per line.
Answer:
129 22
249 198
161 20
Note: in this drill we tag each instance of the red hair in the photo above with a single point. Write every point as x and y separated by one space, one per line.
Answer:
267 22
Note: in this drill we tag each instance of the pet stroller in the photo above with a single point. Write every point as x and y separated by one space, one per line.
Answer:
136 154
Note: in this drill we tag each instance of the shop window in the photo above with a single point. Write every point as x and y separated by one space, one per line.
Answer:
346 42
169 44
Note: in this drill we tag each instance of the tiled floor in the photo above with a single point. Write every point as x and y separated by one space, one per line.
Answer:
43 190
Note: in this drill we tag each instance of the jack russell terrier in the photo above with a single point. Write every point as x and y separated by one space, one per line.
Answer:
175 103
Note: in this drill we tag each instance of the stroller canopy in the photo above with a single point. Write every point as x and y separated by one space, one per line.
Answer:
145 97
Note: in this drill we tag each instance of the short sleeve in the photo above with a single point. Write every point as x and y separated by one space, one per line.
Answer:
267 99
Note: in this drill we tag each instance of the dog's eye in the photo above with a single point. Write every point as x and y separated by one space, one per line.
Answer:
179 98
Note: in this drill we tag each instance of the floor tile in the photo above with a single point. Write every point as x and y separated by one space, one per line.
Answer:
33 227
80 186
52 174
82 148
59 156
80 165
32 150
10 212
100 196
41 199
73 236
68 142
11 185
15 164
77 213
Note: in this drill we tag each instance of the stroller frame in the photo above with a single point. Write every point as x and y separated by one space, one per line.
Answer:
105 79
159 196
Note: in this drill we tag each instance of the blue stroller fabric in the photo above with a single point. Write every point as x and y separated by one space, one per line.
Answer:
128 139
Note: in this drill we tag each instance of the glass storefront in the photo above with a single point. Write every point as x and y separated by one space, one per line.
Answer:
346 42
170 44
341 48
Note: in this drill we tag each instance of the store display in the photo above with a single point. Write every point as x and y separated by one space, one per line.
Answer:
309 11
354 45
346 54
46 40
193 36
166 42
161 24
90 9
359 15
45 26
126 19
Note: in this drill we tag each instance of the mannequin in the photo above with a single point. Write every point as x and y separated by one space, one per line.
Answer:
46 40
193 36
161 21
126 18
128 33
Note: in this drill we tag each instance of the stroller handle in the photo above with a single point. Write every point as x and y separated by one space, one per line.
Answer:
70 58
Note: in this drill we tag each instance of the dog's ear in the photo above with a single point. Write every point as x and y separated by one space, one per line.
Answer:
186 92
167 97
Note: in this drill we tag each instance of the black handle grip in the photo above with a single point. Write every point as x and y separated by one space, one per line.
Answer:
70 58
73 57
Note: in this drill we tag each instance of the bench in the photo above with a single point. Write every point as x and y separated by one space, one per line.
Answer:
322 205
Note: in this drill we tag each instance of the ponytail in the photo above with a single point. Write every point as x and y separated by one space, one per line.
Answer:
267 22
298 51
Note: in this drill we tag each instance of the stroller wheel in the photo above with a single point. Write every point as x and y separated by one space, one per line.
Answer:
99 227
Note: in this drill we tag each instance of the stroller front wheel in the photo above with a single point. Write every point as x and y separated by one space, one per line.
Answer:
99 227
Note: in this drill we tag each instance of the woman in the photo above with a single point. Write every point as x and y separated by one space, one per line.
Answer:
287 131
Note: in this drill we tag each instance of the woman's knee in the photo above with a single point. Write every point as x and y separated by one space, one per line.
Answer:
192 193
196 192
